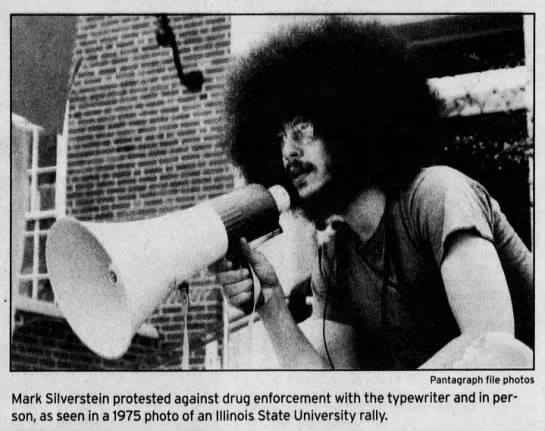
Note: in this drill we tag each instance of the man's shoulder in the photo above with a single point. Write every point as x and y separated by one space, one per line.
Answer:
437 178
439 185
439 195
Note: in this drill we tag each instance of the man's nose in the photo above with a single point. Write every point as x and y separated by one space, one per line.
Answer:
291 149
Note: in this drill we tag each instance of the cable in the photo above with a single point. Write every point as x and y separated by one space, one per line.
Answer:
384 275
323 331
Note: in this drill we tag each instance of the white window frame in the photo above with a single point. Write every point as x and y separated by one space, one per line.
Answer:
24 302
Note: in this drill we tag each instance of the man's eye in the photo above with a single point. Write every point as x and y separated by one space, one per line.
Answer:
297 135
301 132
304 131
305 127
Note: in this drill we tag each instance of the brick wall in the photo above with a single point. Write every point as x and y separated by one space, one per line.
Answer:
141 145
46 343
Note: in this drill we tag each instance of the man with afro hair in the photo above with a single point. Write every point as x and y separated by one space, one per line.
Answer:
423 269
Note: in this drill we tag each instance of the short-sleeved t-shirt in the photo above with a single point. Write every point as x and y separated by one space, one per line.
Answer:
390 288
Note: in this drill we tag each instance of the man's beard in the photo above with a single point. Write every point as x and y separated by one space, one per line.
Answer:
331 199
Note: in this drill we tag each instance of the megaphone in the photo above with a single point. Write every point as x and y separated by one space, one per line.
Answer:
109 277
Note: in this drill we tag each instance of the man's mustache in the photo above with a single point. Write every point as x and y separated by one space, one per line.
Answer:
295 168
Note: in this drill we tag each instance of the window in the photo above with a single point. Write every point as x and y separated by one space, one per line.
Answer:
45 201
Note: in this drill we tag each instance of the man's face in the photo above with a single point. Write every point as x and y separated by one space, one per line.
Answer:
305 158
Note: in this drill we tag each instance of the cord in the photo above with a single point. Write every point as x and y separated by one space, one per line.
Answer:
383 294
323 331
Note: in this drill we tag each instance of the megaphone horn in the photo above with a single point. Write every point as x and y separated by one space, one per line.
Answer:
109 277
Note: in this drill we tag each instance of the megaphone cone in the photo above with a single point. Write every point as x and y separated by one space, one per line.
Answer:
109 277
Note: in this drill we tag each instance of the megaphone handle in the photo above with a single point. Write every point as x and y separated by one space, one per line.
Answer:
257 299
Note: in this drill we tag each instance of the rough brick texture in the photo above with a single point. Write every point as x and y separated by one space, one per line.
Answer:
141 145
45 343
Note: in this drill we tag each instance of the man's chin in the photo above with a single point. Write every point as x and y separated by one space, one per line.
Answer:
318 205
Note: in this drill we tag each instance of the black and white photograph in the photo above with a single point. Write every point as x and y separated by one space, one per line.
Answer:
194 194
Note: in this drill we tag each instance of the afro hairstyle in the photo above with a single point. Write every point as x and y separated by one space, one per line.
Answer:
359 85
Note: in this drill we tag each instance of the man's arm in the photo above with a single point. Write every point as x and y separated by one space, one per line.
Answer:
479 298
302 346
294 347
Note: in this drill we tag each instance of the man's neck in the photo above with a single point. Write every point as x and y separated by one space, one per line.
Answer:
364 213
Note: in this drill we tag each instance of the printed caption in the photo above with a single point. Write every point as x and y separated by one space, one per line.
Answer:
232 407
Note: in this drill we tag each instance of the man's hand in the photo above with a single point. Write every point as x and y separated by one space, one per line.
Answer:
292 347
238 284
